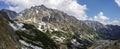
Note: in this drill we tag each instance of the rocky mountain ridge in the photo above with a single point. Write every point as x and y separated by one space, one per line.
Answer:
59 26
110 31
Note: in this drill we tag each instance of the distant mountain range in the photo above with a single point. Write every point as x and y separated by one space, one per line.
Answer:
40 27
110 31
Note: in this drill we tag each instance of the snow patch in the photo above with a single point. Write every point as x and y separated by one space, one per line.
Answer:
23 29
24 48
13 26
40 26
55 29
37 11
34 20
20 14
20 25
60 39
73 40
17 26
46 26
29 45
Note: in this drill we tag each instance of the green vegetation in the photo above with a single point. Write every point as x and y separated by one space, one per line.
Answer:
65 36
36 37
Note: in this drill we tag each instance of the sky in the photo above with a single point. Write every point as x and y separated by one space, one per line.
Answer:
103 11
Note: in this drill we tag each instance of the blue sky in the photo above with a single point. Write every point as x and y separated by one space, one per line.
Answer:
104 11
2 5
108 7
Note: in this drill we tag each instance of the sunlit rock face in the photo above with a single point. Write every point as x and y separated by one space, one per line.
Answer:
40 27
59 26
46 18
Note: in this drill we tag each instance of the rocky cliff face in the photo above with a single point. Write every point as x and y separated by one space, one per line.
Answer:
54 19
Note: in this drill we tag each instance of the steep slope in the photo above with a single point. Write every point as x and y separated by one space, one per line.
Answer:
35 37
110 31
59 26
15 35
8 39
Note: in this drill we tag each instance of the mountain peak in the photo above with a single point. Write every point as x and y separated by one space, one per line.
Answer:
39 7
42 6
53 18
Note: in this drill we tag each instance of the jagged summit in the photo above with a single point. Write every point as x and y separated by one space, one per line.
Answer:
38 7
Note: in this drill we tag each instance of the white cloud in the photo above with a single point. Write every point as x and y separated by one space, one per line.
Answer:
118 2
105 20
71 7
115 22
101 18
